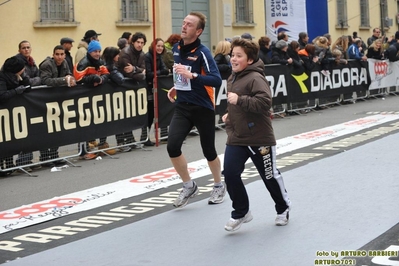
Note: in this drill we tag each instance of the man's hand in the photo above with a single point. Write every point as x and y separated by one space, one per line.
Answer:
172 94
182 70
129 68
71 81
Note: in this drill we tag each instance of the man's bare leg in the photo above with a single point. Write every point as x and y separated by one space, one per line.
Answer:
180 165
219 190
187 192
215 168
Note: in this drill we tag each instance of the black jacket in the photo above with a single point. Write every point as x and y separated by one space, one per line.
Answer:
222 61
31 70
279 56
115 75
69 60
265 55
8 83
371 53
392 52
149 68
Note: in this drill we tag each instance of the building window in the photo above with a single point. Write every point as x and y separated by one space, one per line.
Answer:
364 13
342 15
56 10
384 14
244 11
134 10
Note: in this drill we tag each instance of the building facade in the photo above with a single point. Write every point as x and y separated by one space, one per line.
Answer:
44 22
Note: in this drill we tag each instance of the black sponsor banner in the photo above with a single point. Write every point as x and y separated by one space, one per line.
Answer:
55 116
289 84
165 107
221 95
278 76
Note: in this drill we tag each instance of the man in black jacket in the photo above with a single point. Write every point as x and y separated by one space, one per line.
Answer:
12 83
392 52
67 44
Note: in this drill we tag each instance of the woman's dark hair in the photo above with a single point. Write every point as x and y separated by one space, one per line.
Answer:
154 44
294 45
126 35
310 48
109 54
264 41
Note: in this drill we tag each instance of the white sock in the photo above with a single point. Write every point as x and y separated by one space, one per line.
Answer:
188 184
220 184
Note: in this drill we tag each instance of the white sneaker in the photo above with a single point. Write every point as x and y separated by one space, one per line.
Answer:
282 219
235 224
185 194
217 195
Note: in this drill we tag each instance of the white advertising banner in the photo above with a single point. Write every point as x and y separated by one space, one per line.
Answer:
285 15
383 73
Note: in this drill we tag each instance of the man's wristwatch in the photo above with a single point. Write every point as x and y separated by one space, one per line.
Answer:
195 75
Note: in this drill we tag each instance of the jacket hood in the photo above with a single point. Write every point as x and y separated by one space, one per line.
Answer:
257 66
83 44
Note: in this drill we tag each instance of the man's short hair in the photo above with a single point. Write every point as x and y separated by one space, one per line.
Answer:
202 19
20 44
139 35
281 35
58 47
302 35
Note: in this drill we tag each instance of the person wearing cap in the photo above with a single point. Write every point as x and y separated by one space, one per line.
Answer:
90 35
247 36
91 71
12 83
67 44
279 53
31 69
122 43
12 80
